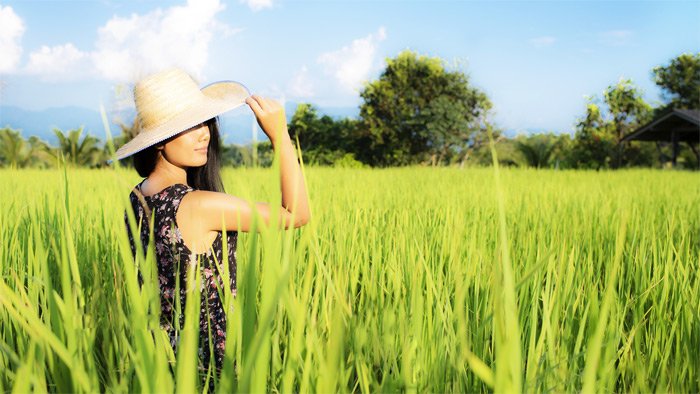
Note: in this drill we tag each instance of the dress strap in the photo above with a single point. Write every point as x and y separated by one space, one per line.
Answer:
142 200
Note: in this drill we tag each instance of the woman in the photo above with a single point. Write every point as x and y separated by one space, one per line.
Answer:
177 151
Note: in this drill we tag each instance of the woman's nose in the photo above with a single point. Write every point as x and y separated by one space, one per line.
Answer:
204 134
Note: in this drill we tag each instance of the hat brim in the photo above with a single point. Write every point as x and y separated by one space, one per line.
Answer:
218 98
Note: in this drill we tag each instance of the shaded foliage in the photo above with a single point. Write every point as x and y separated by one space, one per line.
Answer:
324 140
537 150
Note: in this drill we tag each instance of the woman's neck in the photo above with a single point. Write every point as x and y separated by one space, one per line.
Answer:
167 173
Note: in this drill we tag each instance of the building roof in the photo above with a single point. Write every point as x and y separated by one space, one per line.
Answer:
684 122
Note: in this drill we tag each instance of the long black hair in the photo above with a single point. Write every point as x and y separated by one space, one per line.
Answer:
206 177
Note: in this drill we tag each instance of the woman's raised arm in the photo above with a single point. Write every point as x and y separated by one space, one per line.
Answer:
238 213
207 210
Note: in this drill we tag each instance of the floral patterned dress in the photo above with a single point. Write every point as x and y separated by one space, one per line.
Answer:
171 255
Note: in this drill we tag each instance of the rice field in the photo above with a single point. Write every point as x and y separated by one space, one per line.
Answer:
410 279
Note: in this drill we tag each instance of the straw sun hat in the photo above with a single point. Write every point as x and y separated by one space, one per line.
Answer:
170 102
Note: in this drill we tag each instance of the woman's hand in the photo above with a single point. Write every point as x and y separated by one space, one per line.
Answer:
270 116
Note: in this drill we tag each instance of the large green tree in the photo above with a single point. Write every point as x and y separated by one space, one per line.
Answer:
418 111
680 81
593 143
627 110
598 141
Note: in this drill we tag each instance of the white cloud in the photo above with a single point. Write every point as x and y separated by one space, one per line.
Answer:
541 42
352 64
11 31
129 48
301 85
616 37
257 5
58 62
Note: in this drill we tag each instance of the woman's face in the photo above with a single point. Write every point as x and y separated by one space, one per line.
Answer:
189 148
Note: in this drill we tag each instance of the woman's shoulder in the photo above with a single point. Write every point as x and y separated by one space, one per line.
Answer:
209 199
212 209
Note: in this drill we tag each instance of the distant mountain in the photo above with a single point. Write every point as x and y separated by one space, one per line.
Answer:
236 126
41 123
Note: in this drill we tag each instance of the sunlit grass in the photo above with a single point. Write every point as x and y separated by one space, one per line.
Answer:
396 284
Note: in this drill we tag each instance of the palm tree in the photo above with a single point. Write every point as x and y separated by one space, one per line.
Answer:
74 151
536 150
40 152
14 151
127 133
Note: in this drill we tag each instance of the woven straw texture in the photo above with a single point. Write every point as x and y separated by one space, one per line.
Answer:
170 102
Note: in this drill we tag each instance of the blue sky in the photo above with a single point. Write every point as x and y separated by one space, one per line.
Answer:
536 60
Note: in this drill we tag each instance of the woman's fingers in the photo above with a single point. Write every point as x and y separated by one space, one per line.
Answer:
263 102
261 105
254 105
269 114
273 104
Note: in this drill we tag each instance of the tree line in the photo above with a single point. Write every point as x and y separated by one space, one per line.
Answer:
419 112
76 149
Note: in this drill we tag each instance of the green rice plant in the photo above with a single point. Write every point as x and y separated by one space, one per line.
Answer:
400 282
506 329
